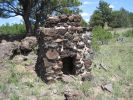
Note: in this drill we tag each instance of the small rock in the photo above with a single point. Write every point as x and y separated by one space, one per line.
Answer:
55 91
79 29
107 87
87 77
87 63
58 40
103 66
49 78
32 97
47 63
53 20
63 18
74 18
52 54
81 44
50 72
87 55
61 31
51 45
78 56
2 96
48 31
76 39
73 95
56 67
67 79
44 93
61 27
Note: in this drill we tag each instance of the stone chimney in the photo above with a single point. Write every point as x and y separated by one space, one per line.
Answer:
64 48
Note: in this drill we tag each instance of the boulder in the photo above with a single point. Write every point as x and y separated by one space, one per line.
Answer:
7 49
28 43
52 54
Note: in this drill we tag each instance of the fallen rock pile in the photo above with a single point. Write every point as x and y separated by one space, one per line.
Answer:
64 48
9 49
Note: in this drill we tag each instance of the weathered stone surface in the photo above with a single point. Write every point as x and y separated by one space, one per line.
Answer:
78 57
63 18
87 77
49 78
51 45
67 79
62 31
107 87
53 20
80 45
49 31
87 63
75 18
77 24
52 54
78 29
76 39
58 40
64 48
7 49
47 63
73 95
56 67
28 43
3 41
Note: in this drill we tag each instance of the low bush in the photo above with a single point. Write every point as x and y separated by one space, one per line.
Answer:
100 36
14 29
128 33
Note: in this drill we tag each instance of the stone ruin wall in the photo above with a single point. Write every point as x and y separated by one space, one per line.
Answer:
64 48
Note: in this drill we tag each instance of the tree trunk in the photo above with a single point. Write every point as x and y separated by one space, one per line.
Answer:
38 19
27 5
36 23
28 25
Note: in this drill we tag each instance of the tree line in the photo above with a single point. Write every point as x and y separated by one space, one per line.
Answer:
35 12
105 15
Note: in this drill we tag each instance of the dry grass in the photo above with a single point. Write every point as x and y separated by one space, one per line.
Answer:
117 57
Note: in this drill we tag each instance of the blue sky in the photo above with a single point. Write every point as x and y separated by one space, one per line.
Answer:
88 6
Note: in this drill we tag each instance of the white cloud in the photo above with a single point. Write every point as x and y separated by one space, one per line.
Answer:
19 17
84 14
87 19
89 2
111 6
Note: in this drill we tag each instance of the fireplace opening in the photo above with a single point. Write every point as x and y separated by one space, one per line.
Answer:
68 66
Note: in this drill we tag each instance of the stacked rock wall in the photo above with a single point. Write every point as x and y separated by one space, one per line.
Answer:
64 48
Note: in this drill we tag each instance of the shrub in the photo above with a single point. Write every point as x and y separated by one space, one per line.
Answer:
100 36
128 33
14 29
